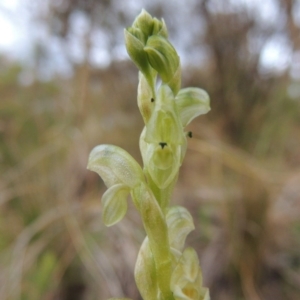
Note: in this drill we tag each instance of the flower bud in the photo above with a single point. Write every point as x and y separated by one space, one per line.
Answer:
162 57
134 41
160 28
138 34
144 22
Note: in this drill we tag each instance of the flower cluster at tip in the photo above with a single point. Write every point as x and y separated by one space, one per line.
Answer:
166 109
164 269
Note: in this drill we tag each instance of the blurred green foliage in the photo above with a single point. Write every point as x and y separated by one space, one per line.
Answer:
240 178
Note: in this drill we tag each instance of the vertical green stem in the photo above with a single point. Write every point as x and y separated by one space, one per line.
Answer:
157 232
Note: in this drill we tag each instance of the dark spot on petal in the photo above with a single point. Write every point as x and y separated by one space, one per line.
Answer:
162 144
152 99
190 134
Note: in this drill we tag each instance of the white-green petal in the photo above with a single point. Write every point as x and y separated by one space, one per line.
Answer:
115 166
163 127
114 204
186 281
145 97
162 177
175 82
163 156
180 224
192 102
165 124
145 273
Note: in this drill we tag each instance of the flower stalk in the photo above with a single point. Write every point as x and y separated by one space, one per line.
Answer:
164 270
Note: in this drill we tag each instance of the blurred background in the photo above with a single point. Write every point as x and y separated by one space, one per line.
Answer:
67 85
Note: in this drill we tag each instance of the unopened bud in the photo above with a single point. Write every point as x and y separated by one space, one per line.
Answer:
160 28
162 57
134 40
144 22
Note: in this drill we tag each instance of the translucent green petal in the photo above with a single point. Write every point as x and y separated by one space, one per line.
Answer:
163 128
180 224
114 204
192 102
145 273
146 98
165 124
115 166
143 145
205 294
175 82
163 177
163 156
186 281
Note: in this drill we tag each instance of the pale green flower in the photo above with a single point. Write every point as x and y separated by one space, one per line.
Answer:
164 269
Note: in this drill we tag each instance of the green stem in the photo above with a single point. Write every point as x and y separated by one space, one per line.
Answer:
157 231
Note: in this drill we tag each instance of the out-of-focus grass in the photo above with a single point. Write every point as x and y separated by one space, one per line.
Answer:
52 241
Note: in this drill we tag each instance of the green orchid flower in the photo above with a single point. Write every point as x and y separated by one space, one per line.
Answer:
165 269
